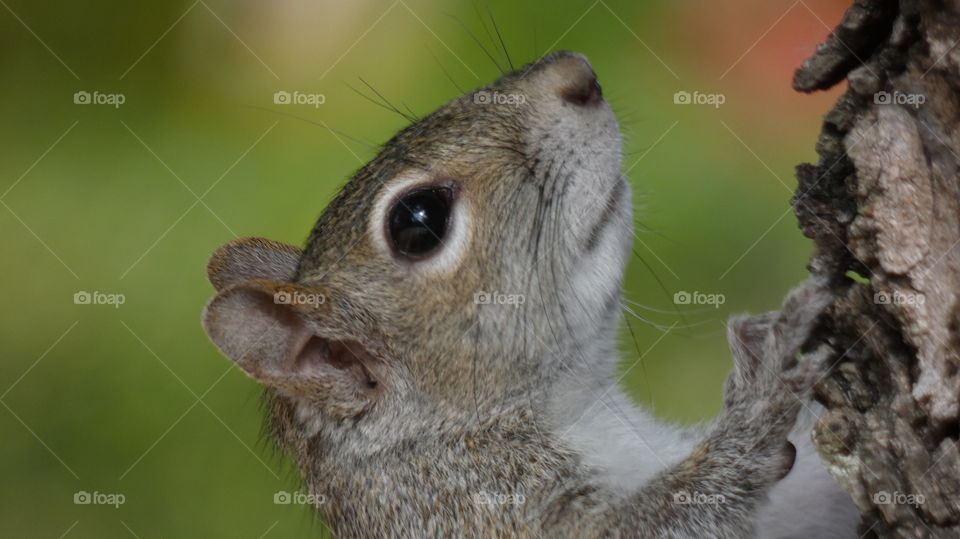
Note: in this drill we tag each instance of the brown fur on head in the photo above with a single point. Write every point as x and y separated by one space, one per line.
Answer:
356 339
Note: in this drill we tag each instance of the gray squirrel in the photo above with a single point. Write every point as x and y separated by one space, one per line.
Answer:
419 403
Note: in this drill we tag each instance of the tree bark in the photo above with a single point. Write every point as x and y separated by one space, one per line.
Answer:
882 205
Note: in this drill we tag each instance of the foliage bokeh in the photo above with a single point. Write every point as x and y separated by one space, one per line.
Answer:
135 400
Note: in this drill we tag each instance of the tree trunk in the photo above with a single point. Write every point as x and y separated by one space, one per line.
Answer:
882 205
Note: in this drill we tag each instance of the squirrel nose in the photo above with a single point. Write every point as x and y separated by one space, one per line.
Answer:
584 92
578 83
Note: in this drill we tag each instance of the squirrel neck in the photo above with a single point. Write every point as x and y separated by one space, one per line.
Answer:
460 469
446 484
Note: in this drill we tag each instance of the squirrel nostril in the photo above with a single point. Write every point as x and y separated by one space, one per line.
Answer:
584 92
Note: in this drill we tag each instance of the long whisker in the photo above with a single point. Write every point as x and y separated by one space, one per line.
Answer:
412 114
445 72
661 327
367 144
411 118
659 281
483 22
496 28
702 310
650 230
648 308
477 41
383 104
640 359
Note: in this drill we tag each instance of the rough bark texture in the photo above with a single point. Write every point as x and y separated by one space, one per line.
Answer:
883 202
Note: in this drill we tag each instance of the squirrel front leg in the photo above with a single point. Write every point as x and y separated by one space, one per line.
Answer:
717 489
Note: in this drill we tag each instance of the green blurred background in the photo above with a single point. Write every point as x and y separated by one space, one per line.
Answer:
134 400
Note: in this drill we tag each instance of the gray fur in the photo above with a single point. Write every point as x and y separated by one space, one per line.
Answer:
417 411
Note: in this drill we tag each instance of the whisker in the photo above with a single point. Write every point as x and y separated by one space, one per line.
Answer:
384 104
661 327
659 281
647 229
477 41
367 144
412 114
641 359
649 308
412 118
496 28
445 72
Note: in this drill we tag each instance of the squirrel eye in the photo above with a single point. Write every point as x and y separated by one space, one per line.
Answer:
418 221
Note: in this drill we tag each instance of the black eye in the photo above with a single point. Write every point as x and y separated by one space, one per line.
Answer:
418 221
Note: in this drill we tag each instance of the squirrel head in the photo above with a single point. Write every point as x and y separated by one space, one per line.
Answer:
455 271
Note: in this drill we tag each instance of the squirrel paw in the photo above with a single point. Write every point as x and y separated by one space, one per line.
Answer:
768 376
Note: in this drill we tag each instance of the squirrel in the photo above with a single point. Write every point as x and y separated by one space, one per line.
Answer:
440 358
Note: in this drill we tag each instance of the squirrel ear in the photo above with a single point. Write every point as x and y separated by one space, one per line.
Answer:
252 258
265 327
